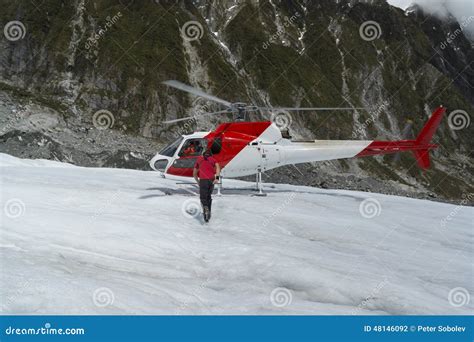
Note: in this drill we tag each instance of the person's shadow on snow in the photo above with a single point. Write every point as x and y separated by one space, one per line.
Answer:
168 192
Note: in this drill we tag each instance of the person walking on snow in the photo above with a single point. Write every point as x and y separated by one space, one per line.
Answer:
206 173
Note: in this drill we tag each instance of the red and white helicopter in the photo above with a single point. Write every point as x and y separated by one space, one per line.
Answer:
245 148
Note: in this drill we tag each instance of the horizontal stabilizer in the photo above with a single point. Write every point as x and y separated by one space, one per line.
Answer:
420 147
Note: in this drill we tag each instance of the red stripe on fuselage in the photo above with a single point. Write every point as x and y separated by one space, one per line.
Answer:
385 147
180 171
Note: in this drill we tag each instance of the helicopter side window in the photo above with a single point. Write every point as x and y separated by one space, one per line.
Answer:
216 145
170 150
192 148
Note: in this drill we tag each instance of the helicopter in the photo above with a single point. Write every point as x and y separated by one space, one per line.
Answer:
244 148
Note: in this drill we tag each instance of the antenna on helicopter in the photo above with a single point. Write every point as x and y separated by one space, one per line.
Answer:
239 109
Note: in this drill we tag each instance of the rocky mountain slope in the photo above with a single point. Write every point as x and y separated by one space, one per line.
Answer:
71 59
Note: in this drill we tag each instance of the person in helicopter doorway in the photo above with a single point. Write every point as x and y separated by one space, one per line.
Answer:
206 173
190 150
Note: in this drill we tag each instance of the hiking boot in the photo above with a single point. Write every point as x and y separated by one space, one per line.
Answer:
207 214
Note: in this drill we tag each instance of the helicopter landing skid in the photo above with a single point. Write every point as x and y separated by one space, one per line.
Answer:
254 191
259 194
259 185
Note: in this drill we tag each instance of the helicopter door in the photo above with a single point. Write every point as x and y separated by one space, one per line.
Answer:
190 150
245 161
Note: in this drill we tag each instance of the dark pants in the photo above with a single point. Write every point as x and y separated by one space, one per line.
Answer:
206 186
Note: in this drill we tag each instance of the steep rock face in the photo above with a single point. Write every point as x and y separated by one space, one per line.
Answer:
454 53
79 57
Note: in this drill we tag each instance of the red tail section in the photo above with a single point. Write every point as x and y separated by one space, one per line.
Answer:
420 147
425 136
430 127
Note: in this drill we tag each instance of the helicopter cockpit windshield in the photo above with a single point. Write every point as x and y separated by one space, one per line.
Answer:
170 150
180 156
192 148
187 155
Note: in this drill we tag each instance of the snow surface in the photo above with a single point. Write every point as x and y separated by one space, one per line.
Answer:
114 241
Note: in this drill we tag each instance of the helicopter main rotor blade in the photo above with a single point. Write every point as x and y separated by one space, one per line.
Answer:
196 116
195 91
308 108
